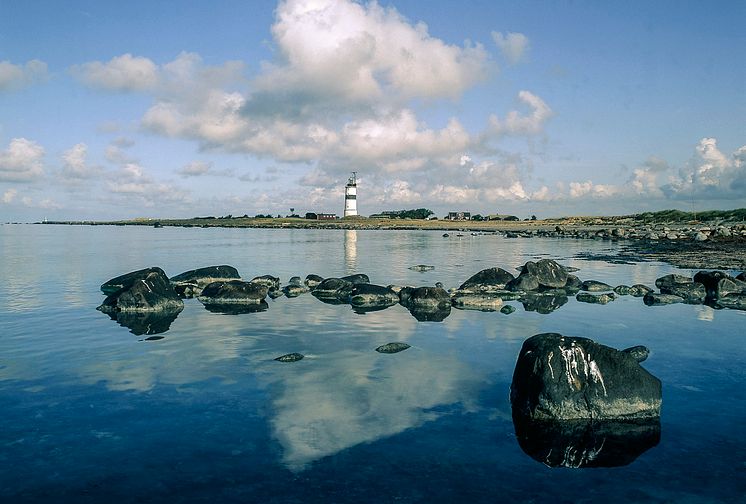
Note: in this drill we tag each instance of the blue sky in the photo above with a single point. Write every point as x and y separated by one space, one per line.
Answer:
179 109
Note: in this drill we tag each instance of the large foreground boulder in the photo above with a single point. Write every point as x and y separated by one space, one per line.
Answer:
547 272
565 378
151 293
192 282
487 280
426 304
233 292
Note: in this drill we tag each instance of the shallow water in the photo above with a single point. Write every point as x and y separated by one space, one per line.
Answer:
92 412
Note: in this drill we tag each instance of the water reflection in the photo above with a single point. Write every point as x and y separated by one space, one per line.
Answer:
350 245
237 308
543 303
145 322
431 315
580 443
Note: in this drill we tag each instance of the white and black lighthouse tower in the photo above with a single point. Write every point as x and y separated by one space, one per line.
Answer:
351 196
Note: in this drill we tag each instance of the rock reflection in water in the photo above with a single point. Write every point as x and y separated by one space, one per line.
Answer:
584 443
145 323
543 303
430 315
237 308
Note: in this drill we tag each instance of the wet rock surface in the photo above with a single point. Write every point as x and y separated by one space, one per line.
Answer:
370 295
487 280
589 297
143 291
390 348
291 357
192 282
656 299
126 280
233 292
568 378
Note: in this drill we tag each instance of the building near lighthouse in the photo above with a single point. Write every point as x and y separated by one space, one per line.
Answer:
351 196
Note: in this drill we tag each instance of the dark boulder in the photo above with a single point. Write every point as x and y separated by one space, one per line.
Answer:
294 290
718 283
481 302
233 292
237 308
149 293
588 297
563 378
269 281
487 280
295 280
369 295
579 444
547 272
333 288
291 357
524 282
639 290
313 280
357 278
595 286
732 301
692 292
622 290
573 283
200 277
390 348
429 297
507 309
655 299
126 280
741 276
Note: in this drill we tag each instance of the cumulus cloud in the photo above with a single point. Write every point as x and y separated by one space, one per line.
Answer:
14 77
132 181
9 196
201 168
22 161
513 46
75 163
121 73
710 174
516 123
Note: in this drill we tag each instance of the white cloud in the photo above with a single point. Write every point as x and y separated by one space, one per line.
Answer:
14 77
131 181
75 166
201 168
22 161
513 46
9 196
121 73
517 124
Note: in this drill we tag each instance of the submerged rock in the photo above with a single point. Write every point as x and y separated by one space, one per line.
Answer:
654 299
370 295
390 348
487 280
478 302
291 357
126 280
563 378
148 292
422 267
588 297
579 444
233 292
595 286
507 309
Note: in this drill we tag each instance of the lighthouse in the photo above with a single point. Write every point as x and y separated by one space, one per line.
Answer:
351 196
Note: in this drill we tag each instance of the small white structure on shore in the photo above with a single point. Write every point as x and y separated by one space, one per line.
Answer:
351 196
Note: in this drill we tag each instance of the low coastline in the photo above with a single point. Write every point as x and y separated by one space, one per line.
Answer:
712 244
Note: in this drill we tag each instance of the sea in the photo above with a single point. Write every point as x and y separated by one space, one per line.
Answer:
197 409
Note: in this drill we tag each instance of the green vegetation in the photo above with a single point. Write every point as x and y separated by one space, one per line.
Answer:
420 213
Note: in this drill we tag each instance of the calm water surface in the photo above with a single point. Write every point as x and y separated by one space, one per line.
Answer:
92 412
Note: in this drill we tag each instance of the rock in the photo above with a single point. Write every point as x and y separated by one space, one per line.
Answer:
294 290
233 292
446 235
487 280
639 290
543 302
741 277
547 272
428 297
479 302
640 353
271 282
358 278
507 309
192 282
390 348
700 237
149 293
126 280
692 293
719 284
595 286
313 280
668 281
295 281
275 293
370 295
578 444
524 282
291 357
422 267
333 288
654 299
588 297
573 283
622 290
564 378
732 301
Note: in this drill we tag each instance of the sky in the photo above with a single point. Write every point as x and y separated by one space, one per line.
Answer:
119 110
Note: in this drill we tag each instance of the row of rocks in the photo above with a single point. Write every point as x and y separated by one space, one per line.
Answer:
654 233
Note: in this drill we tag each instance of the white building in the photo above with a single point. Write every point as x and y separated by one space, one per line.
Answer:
351 196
